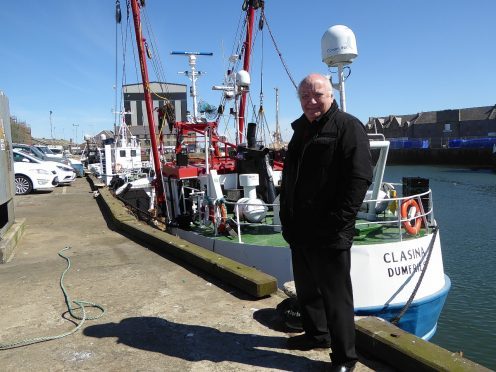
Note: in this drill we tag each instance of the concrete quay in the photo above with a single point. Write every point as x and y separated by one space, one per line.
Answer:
162 313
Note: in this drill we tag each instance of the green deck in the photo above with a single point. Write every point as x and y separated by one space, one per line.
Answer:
264 235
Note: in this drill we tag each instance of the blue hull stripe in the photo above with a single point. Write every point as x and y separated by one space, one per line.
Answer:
420 318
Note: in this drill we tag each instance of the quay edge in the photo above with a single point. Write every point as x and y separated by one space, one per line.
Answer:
375 337
390 344
248 279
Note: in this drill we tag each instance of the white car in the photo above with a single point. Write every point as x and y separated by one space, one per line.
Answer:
31 176
64 172
50 151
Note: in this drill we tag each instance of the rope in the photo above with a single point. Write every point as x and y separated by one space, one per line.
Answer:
81 303
278 51
402 312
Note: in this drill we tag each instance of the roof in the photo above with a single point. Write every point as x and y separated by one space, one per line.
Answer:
156 87
429 117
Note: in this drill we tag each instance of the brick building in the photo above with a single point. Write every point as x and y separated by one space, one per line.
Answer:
437 127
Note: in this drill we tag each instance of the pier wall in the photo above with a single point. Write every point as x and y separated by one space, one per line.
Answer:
7 189
470 157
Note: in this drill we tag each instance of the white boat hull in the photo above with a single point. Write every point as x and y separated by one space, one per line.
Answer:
384 275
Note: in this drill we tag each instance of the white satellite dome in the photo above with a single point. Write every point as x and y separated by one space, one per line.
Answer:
243 78
338 46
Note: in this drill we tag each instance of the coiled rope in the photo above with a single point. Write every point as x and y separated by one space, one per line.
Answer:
81 306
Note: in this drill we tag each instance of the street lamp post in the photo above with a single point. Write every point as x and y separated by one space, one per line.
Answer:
76 138
51 127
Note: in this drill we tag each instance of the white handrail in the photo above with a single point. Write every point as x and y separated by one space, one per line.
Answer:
397 219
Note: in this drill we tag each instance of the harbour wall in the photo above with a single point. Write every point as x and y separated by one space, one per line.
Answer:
470 157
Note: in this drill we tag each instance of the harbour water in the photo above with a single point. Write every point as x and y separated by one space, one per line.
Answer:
465 209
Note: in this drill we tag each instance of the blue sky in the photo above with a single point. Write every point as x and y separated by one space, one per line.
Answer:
414 56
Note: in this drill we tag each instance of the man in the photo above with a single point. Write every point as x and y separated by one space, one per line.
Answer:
327 172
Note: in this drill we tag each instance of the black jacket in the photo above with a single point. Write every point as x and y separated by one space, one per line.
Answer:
326 174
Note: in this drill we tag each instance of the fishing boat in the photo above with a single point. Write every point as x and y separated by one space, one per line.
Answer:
120 158
225 200
92 156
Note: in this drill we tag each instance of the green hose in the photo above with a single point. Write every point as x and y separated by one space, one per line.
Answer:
81 307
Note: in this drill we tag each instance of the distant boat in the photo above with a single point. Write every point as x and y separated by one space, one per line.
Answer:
119 158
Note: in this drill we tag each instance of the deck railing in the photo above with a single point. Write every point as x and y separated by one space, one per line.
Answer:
391 216
388 217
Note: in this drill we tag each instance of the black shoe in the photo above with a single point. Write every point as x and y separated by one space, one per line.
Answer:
305 342
345 367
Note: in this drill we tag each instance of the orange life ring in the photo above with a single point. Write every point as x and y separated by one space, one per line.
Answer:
223 218
405 207
222 211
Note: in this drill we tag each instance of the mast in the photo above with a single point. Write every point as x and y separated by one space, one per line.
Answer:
246 65
193 75
277 133
159 189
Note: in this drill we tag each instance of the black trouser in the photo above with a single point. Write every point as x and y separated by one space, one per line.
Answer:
325 295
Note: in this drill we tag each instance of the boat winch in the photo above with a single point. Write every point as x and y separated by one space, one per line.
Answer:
250 207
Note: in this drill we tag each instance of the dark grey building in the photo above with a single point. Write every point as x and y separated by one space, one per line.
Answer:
134 102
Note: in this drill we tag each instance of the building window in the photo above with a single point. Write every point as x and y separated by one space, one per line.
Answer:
139 112
127 108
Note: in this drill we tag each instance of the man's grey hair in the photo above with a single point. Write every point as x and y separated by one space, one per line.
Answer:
306 78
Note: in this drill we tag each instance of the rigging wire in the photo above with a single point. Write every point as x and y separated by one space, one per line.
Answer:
134 46
118 108
156 61
232 66
278 51
124 35
118 18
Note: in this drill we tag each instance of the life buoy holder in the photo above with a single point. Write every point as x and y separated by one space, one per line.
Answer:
412 229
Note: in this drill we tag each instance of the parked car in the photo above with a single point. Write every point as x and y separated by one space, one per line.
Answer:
36 152
65 173
29 176
49 152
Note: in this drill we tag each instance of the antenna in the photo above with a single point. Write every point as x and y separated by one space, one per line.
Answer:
339 49
277 133
193 75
